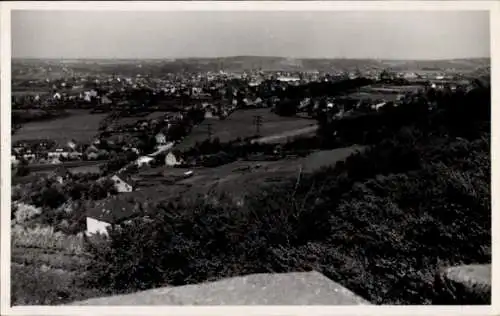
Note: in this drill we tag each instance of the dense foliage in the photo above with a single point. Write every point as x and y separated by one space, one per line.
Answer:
381 223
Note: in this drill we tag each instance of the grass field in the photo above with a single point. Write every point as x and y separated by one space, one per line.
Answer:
240 124
240 177
31 92
80 126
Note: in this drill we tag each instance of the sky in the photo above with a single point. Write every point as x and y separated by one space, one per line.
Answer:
334 34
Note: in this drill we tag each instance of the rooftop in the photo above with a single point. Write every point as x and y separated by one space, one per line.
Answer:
113 210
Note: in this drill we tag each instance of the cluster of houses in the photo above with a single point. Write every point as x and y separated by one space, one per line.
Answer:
43 151
116 210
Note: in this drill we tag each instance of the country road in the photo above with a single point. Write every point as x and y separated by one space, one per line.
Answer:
281 136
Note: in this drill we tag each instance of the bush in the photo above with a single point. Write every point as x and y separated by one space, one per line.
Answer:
33 286
24 212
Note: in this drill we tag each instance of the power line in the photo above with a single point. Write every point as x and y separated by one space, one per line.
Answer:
209 130
257 121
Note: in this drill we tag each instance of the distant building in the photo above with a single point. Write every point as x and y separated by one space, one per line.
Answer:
209 114
61 174
72 145
121 185
172 160
14 161
91 149
109 212
93 156
161 139
144 161
378 106
288 79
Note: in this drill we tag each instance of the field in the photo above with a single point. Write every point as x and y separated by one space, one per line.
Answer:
238 178
240 124
80 126
32 92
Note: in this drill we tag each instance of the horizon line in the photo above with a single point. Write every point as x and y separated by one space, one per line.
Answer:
255 56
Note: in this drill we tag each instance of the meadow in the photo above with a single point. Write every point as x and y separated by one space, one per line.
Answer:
80 126
240 124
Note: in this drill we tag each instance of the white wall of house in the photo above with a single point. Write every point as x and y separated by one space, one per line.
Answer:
171 160
120 185
143 161
14 160
161 139
95 226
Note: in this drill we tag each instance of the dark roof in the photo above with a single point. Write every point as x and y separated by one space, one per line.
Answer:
113 210
126 176
61 171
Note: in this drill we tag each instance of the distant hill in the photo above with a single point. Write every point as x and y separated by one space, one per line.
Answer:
246 63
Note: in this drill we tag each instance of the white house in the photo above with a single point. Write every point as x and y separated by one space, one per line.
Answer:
72 145
378 105
55 161
112 211
14 161
29 156
161 139
144 161
58 153
92 156
91 149
120 185
209 114
171 160
95 226
61 174
288 79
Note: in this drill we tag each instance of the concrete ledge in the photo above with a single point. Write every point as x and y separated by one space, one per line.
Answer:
302 288
464 285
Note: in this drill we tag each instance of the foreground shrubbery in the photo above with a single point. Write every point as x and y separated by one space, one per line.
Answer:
381 224
32 285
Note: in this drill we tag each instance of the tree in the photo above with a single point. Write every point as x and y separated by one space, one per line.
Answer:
287 107
115 163
177 131
22 168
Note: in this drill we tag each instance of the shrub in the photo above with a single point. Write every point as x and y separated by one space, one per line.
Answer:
33 286
24 212
47 238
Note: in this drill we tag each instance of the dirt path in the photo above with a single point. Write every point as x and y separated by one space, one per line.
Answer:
281 136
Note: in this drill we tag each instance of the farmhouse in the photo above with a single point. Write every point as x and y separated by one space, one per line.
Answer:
122 183
58 153
109 212
71 145
172 160
161 139
144 161
209 114
91 149
61 174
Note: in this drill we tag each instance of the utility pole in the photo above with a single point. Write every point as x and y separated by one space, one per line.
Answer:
209 130
257 121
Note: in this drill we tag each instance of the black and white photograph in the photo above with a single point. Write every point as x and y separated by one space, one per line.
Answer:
248 157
